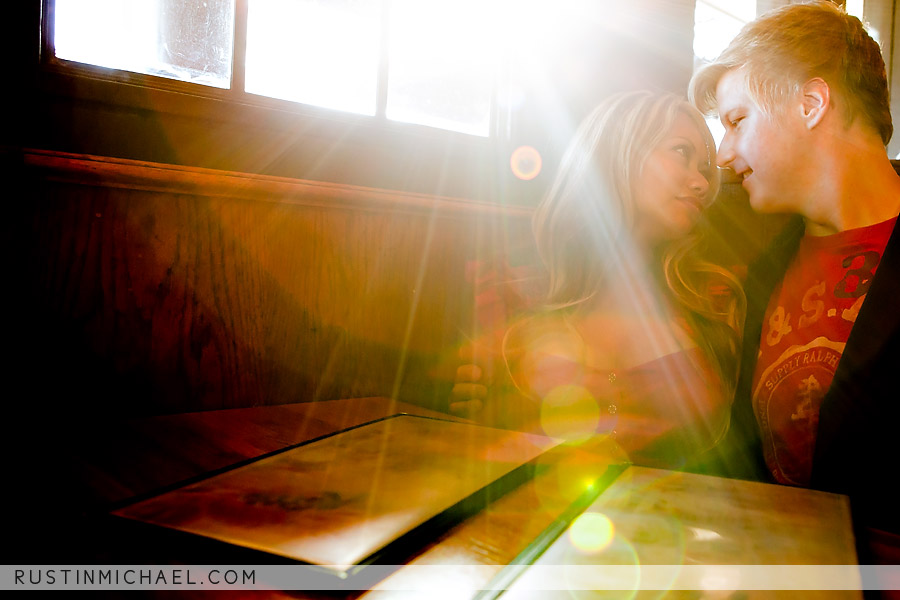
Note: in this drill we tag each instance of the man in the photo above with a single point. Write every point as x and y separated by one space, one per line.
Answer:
802 94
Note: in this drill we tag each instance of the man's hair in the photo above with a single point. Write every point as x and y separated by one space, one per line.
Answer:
786 47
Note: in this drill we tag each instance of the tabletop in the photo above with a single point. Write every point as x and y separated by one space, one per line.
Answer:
645 517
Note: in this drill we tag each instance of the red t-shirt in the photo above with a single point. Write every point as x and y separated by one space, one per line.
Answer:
806 326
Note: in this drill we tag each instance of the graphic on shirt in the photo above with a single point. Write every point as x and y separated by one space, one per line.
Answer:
805 328
788 397
810 398
846 287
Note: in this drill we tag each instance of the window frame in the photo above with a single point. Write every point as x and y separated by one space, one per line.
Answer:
90 87
236 94
81 109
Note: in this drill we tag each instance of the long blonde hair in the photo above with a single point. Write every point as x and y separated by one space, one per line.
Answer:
583 225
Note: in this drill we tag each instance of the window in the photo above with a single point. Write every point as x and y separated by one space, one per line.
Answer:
430 96
427 62
163 38
716 22
320 53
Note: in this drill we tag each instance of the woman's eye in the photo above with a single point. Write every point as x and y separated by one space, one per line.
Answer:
737 121
682 150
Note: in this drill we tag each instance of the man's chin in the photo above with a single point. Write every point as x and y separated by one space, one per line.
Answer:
761 204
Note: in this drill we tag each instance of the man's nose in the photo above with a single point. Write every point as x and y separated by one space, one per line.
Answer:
726 154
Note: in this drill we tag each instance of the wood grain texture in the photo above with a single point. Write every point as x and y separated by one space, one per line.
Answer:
141 288
142 456
150 289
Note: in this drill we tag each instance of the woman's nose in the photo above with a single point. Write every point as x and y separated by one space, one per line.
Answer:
698 183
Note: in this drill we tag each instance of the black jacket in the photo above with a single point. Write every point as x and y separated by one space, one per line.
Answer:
858 444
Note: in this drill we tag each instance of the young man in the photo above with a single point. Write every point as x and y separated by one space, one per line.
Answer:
802 93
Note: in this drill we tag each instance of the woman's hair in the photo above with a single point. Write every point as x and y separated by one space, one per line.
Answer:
583 227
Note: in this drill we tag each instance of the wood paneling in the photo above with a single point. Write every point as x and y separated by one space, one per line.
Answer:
139 288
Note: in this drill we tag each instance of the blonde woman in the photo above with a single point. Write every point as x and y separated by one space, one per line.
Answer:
638 336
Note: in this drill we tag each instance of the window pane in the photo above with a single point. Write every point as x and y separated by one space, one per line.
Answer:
716 22
188 41
443 63
318 52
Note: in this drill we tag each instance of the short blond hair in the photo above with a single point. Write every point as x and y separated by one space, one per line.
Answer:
786 47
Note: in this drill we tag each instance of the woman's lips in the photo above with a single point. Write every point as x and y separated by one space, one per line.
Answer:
693 201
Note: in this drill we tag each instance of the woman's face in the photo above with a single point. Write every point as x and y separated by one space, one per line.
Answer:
673 188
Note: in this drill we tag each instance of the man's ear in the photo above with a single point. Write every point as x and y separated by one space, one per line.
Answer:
816 101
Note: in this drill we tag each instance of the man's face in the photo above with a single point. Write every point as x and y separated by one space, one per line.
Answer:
764 151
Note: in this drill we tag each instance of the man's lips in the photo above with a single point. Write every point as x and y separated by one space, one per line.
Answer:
731 176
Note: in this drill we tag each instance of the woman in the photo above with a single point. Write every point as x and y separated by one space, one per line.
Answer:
638 336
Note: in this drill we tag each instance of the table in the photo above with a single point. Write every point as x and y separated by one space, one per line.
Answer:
659 517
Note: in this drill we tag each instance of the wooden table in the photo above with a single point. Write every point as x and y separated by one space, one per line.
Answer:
659 517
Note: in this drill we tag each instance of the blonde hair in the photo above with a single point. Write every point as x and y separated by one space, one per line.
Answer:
583 225
786 47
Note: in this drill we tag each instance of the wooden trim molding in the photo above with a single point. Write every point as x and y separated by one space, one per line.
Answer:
154 289
149 176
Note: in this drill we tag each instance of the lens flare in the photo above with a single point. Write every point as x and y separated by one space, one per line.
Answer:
591 532
571 413
525 163
578 474
623 584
